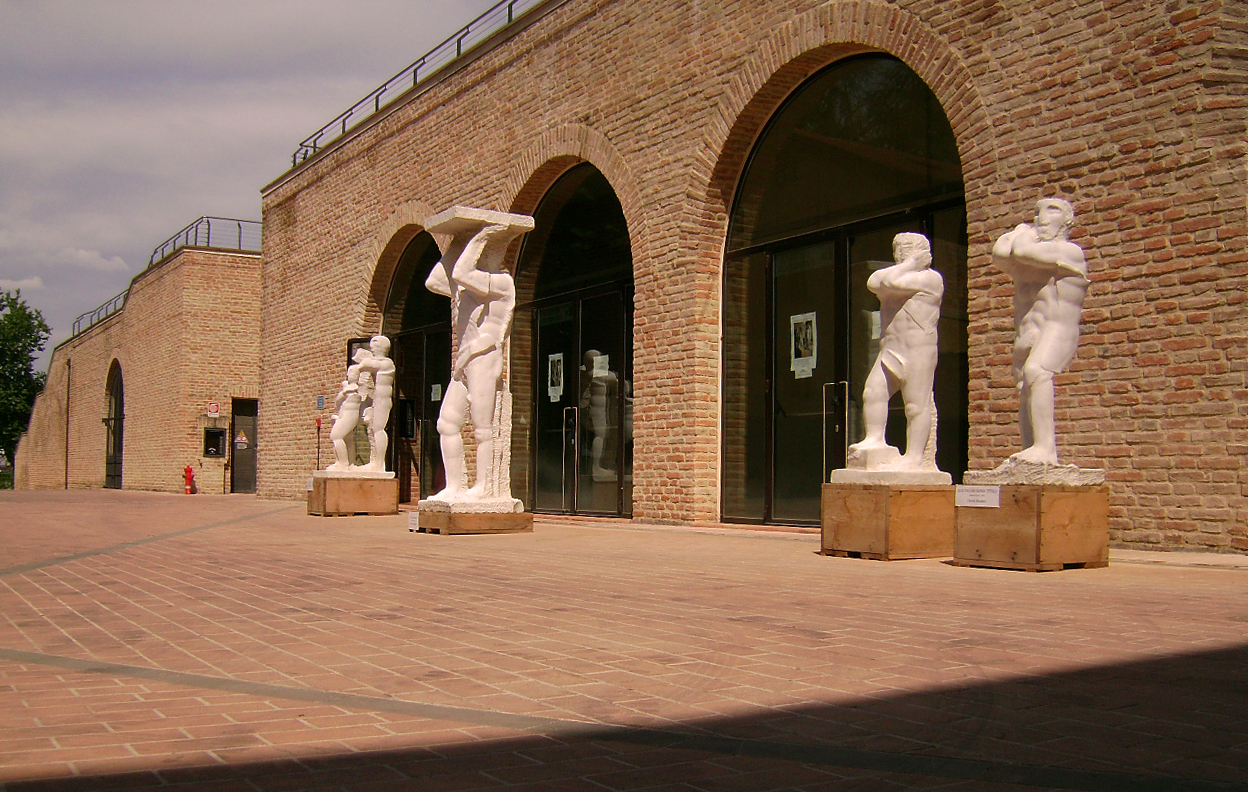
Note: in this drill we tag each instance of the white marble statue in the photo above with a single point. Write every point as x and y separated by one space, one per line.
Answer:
483 300
366 395
1050 281
910 293
346 413
377 412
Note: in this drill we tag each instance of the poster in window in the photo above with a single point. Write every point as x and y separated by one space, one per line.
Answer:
803 331
554 376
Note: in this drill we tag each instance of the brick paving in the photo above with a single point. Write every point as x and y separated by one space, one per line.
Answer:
229 643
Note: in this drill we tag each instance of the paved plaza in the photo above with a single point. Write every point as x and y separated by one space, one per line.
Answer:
227 643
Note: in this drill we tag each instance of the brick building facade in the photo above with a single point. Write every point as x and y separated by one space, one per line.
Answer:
187 336
1134 112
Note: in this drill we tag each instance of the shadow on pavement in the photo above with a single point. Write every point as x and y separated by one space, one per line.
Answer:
1174 723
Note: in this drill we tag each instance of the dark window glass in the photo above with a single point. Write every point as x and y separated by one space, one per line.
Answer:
864 138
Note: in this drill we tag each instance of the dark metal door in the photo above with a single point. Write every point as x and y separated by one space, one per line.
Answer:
243 446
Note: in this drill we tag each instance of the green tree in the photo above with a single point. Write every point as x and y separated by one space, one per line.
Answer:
22 335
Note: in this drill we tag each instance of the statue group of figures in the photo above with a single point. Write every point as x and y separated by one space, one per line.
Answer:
1050 282
1050 278
483 301
365 399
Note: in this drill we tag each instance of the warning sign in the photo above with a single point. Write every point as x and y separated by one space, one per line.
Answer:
240 440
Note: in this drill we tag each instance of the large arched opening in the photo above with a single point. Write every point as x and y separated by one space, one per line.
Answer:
114 426
574 325
418 324
859 152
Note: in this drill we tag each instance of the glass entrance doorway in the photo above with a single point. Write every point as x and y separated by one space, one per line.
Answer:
114 427
575 326
824 327
860 152
583 412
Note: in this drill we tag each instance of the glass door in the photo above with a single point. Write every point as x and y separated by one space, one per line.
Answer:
804 363
582 417
423 363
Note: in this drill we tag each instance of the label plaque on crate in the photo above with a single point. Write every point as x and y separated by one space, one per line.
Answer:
978 496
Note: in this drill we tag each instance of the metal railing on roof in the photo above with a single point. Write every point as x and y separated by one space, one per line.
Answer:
223 233
112 306
495 19
215 232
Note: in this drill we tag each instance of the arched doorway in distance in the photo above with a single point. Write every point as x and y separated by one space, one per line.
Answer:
573 339
114 427
857 153
418 324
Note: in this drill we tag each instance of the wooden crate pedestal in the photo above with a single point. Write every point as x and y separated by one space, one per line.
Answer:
1038 528
446 521
887 522
342 497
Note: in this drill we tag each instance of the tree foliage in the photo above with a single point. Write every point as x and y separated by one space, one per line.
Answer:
23 334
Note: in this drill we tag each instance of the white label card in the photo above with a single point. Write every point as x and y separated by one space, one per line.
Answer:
977 496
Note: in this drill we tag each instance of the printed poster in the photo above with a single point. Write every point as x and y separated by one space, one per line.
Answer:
554 376
805 345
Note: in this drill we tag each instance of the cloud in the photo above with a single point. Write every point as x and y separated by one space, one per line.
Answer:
29 284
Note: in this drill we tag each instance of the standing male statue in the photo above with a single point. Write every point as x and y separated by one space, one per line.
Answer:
910 293
382 369
483 300
1050 281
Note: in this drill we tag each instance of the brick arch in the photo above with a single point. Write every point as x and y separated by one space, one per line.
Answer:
797 49
385 249
556 151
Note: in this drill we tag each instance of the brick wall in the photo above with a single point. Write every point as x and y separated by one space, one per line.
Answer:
1133 111
187 336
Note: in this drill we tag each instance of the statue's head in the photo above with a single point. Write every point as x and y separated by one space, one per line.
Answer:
909 244
380 345
1054 218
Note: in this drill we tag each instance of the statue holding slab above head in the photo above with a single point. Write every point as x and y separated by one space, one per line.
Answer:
483 300
910 293
1050 282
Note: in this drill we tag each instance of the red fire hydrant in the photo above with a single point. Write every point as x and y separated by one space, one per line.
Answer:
190 479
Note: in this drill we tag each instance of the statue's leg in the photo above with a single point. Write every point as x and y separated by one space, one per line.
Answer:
482 373
917 393
875 395
1040 415
450 422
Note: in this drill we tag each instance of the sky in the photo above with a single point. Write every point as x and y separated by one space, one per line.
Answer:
122 121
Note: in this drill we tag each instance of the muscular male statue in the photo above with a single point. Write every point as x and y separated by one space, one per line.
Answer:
381 367
486 299
910 292
1050 281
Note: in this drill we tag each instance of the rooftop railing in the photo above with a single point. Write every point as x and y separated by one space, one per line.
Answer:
224 233
112 306
449 51
214 232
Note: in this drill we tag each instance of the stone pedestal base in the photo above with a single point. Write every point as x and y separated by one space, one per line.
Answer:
340 496
1037 528
443 518
887 522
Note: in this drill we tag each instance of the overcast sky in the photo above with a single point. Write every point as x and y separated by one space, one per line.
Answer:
121 121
